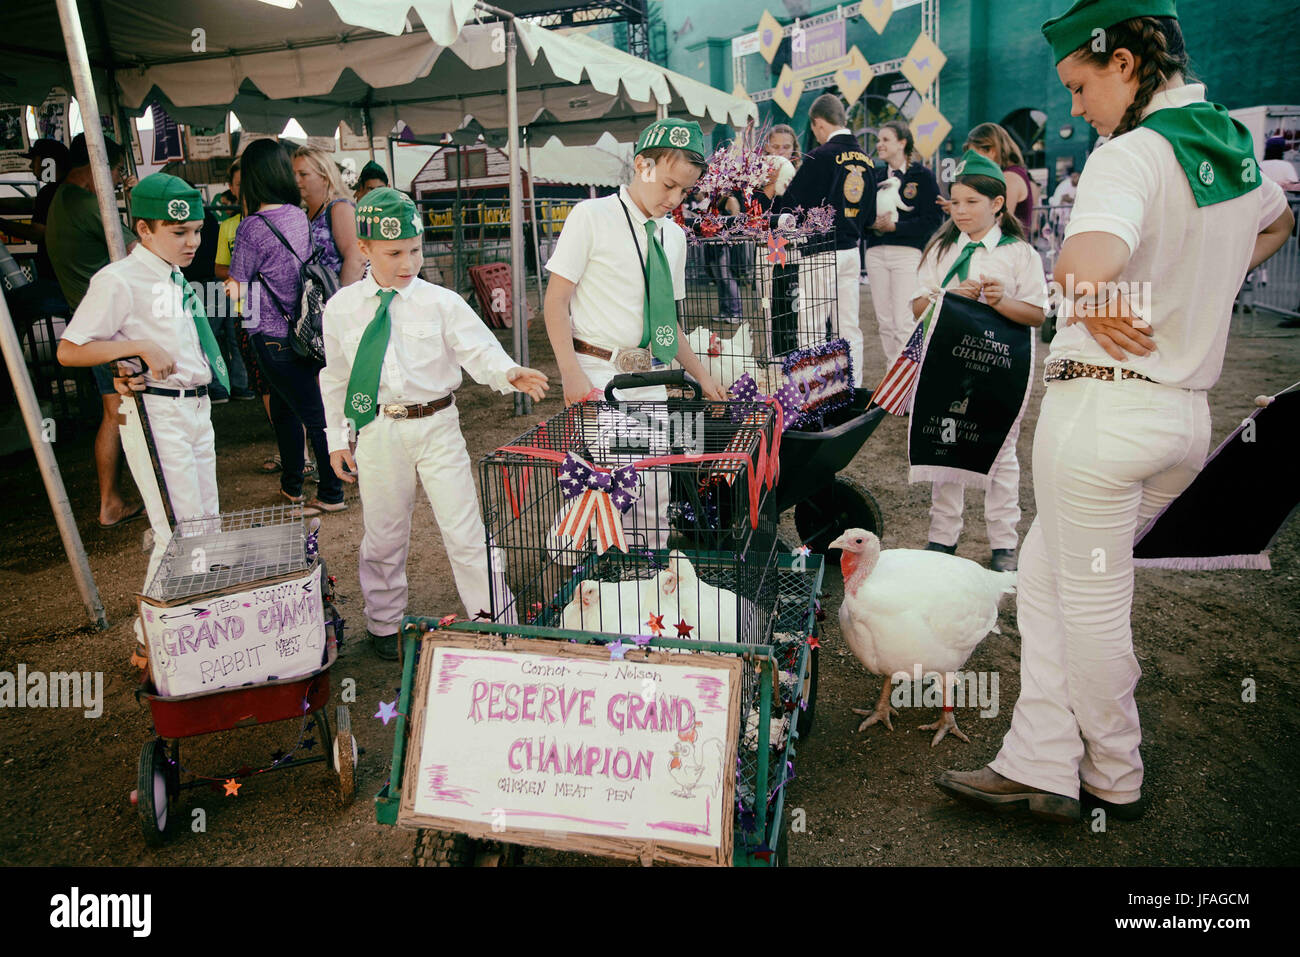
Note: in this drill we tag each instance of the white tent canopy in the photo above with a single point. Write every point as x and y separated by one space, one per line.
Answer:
320 70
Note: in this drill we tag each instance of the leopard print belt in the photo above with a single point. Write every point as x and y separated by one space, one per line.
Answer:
1060 369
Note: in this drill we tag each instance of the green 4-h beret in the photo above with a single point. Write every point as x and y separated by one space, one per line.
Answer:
977 164
1077 26
672 134
165 197
387 213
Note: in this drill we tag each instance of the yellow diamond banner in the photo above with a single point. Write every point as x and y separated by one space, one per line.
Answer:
769 36
787 91
876 12
930 127
923 63
854 79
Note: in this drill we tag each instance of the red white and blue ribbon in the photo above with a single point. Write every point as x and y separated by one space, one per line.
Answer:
745 389
599 498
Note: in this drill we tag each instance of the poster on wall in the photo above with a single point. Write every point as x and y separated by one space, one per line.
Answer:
13 138
203 144
52 117
166 138
560 745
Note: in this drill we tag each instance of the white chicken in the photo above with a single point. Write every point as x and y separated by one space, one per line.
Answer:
907 607
680 595
888 202
733 357
613 607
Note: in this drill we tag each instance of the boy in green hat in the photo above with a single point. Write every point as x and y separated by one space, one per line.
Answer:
620 267
143 306
394 348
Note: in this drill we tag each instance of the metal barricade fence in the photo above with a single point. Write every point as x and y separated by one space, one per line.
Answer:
1274 287
473 232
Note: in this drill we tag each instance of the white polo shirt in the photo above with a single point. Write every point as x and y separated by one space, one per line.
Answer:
1017 265
1194 258
135 298
596 251
434 334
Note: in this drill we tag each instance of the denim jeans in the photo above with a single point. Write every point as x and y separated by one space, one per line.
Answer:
224 326
295 404
718 259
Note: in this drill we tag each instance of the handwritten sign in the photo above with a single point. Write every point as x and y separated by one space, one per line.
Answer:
275 630
557 745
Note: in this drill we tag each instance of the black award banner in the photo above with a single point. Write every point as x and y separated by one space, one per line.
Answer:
1234 508
972 388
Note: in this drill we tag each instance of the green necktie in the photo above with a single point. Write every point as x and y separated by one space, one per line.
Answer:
961 268
660 331
207 340
363 384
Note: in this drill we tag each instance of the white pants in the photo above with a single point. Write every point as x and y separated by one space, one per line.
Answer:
391 455
848 268
648 520
187 453
1107 457
1001 500
892 271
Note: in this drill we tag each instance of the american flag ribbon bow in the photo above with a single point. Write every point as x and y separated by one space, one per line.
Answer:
600 498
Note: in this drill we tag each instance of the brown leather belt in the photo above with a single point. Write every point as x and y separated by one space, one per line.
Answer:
625 360
396 412
1058 370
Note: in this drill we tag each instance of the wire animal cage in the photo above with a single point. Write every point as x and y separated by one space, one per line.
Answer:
233 549
753 299
691 482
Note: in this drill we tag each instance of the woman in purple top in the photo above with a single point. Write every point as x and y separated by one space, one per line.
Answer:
269 263
996 143
330 210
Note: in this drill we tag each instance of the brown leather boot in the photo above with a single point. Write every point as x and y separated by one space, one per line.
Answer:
987 789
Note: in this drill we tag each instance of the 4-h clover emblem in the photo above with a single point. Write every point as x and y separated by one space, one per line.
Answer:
679 136
178 209
415 221
362 402
390 227
664 335
220 363
1206 173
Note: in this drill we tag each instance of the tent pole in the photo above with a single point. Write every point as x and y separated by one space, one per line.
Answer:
79 63
532 215
370 137
392 161
523 403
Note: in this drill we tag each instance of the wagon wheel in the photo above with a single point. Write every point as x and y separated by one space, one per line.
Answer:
345 755
842 504
444 849
804 716
153 793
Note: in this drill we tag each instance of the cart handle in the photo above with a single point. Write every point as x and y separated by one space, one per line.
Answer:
639 380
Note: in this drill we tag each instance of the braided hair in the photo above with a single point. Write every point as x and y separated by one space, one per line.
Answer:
1157 44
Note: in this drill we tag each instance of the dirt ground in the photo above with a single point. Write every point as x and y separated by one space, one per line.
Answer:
1222 774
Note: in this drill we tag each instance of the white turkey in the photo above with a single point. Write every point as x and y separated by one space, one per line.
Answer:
614 607
906 607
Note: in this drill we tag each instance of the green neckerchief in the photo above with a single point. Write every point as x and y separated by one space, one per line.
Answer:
1216 152
660 330
961 267
363 383
207 340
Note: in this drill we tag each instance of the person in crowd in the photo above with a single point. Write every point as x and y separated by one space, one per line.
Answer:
981 253
74 236
394 349
837 173
270 246
372 176
226 205
331 212
49 159
144 306
993 141
781 141
229 330
1279 170
894 247
1164 229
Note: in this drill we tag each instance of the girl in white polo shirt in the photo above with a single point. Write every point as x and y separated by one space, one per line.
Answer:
1173 210
981 253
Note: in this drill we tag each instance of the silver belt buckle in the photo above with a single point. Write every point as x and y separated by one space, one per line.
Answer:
632 360
395 411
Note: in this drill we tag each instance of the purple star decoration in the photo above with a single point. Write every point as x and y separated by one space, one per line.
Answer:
745 389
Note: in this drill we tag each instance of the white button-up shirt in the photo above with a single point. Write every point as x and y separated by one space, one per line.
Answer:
1016 265
1187 261
134 299
434 333
598 252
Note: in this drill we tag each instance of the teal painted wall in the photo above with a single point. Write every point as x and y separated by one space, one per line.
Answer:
998 62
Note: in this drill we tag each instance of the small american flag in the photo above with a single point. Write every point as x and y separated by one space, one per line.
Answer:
894 394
